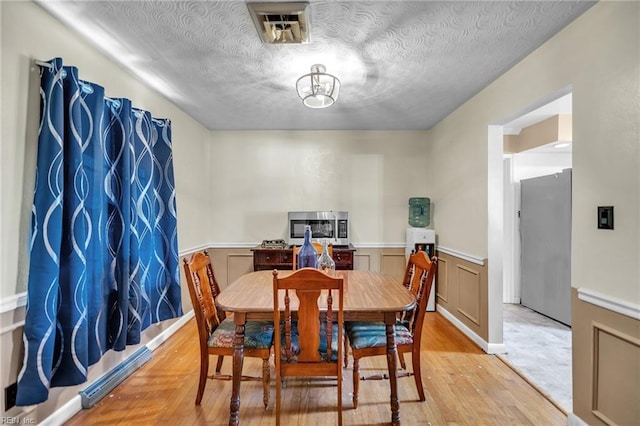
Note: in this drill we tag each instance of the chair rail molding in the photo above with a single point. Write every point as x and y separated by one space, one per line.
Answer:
614 304
186 252
468 257
218 245
11 303
8 304
231 245
378 245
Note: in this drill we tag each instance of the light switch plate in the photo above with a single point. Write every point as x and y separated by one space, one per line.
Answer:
605 217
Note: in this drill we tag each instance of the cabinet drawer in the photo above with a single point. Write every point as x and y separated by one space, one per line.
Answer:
282 258
286 257
265 257
343 258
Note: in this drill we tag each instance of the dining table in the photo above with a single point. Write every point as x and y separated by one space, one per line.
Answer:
368 296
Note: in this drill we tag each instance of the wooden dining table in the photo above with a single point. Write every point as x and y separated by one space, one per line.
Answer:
369 296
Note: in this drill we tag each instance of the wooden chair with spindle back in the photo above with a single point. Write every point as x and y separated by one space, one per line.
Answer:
216 332
369 338
312 345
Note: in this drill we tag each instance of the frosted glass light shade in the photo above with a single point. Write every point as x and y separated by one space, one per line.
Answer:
318 89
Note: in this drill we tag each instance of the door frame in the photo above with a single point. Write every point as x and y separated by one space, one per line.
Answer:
496 247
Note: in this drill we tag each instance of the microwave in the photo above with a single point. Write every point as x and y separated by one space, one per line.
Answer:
329 225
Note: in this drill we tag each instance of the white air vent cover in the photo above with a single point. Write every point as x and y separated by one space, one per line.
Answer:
281 23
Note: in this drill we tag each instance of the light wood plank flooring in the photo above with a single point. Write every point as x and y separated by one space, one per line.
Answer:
463 385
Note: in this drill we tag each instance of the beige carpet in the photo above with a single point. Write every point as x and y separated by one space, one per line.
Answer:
540 349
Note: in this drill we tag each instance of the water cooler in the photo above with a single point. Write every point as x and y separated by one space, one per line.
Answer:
423 239
421 236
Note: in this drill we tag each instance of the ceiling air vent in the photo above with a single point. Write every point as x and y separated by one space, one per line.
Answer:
281 23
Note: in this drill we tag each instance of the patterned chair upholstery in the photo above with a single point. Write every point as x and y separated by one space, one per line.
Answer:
294 349
216 332
370 339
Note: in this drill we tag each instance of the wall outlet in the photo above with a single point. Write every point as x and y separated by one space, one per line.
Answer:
10 393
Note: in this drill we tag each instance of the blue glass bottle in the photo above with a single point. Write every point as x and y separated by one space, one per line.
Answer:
307 256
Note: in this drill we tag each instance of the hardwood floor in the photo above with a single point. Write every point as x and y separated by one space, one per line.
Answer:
463 386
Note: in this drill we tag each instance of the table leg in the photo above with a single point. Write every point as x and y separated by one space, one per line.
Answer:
392 353
240 320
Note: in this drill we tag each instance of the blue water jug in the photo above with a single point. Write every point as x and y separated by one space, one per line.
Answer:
419 212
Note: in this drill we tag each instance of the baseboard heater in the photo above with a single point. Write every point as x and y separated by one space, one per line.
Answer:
105 384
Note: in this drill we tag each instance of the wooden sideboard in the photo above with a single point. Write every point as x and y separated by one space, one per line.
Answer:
282 258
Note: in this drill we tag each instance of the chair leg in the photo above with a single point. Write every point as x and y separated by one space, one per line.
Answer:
417 373
339 398
219 363
204 370
265 381
278 392
403 364
346 352
356 381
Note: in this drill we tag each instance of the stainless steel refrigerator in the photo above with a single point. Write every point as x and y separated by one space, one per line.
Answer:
545 231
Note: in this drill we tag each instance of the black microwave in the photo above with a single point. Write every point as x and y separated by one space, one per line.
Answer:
329 225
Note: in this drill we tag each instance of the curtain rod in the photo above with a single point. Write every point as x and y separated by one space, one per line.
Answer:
42 63
115 101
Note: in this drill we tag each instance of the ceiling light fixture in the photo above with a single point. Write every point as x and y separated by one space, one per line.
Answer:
318 89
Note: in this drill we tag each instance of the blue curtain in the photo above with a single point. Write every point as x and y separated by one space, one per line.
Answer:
104 253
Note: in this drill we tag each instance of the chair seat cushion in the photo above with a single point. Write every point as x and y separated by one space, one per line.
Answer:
295 346
367 334
257 334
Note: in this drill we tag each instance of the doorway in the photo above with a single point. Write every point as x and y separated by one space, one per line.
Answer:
537 346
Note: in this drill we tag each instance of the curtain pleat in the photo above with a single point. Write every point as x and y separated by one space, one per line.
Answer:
104 258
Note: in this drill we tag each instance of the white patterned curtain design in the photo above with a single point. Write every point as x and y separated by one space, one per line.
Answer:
104 252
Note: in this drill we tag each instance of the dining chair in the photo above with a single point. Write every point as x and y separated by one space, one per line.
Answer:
311 345
216 331
316 246
369 338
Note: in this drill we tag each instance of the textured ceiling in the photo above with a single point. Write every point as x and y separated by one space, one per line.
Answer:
403 64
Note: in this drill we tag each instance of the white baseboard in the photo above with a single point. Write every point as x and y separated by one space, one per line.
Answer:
575 420
496 348
490 348
73 406
64 413
164 336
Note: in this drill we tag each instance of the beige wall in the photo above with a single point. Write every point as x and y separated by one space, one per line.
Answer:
251 177
598 58
29 32
258 176
461 290
232 187
606 377
553 129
